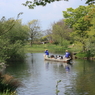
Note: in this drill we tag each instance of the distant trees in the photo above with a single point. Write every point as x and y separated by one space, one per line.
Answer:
61 32
34 30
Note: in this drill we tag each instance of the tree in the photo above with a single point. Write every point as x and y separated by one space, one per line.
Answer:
60 32
12 41
75 18
32 4
49 35
7 25
18 32
34 30
91 32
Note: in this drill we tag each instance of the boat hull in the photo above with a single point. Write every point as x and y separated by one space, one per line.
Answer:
65 60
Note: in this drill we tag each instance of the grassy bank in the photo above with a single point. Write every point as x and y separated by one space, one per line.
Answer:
41 48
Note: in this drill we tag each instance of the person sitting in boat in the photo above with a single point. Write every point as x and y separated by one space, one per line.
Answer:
67 54
59 57
52 56
46 53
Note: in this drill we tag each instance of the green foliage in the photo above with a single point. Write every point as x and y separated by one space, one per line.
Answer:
8 93
15 51
60 32
44 38
81 55
18 32
80 20
12 41
3 48
86 54
57 91
65 43
56 43
90 2
5 25
8 84
34 3
41 47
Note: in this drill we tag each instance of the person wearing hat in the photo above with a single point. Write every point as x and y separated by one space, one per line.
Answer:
46 53
67 54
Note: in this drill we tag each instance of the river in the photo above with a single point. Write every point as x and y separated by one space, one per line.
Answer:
40 77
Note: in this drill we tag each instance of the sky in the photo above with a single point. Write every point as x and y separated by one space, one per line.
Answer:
46 15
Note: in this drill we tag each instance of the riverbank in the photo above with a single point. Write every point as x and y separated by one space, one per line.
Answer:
56 49
41 48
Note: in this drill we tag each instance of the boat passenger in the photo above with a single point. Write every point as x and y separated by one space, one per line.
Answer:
52 56
59 57
67 54
46 53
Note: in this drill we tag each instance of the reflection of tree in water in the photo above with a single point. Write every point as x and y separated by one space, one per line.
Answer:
84 82
16 68
32 58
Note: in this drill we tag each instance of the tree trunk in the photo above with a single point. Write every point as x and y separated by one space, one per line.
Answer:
31 42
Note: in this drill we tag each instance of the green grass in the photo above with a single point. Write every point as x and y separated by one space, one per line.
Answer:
8 93
41 48
34 48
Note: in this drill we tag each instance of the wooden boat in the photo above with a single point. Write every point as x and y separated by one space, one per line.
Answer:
65 60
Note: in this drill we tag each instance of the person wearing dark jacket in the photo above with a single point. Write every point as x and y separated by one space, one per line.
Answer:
67 54
46 53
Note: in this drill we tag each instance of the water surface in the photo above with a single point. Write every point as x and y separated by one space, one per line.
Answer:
40 77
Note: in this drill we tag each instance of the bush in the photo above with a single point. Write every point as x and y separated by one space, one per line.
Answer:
83 54
8 83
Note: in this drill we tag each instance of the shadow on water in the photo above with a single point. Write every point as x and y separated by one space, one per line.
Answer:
39 77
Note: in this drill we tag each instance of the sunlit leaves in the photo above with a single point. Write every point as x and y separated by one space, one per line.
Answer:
80 19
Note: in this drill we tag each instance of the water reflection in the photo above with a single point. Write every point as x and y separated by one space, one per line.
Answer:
65 66
40 77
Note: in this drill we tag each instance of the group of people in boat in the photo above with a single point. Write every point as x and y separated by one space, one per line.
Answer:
67 55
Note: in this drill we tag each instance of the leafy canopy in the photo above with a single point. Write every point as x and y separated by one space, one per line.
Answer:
34 3
80 20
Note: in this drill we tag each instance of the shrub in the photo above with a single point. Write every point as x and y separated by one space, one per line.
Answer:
8 83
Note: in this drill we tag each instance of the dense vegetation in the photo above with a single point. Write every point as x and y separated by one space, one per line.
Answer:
76 30
13 36
81 20
76 33
12 39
